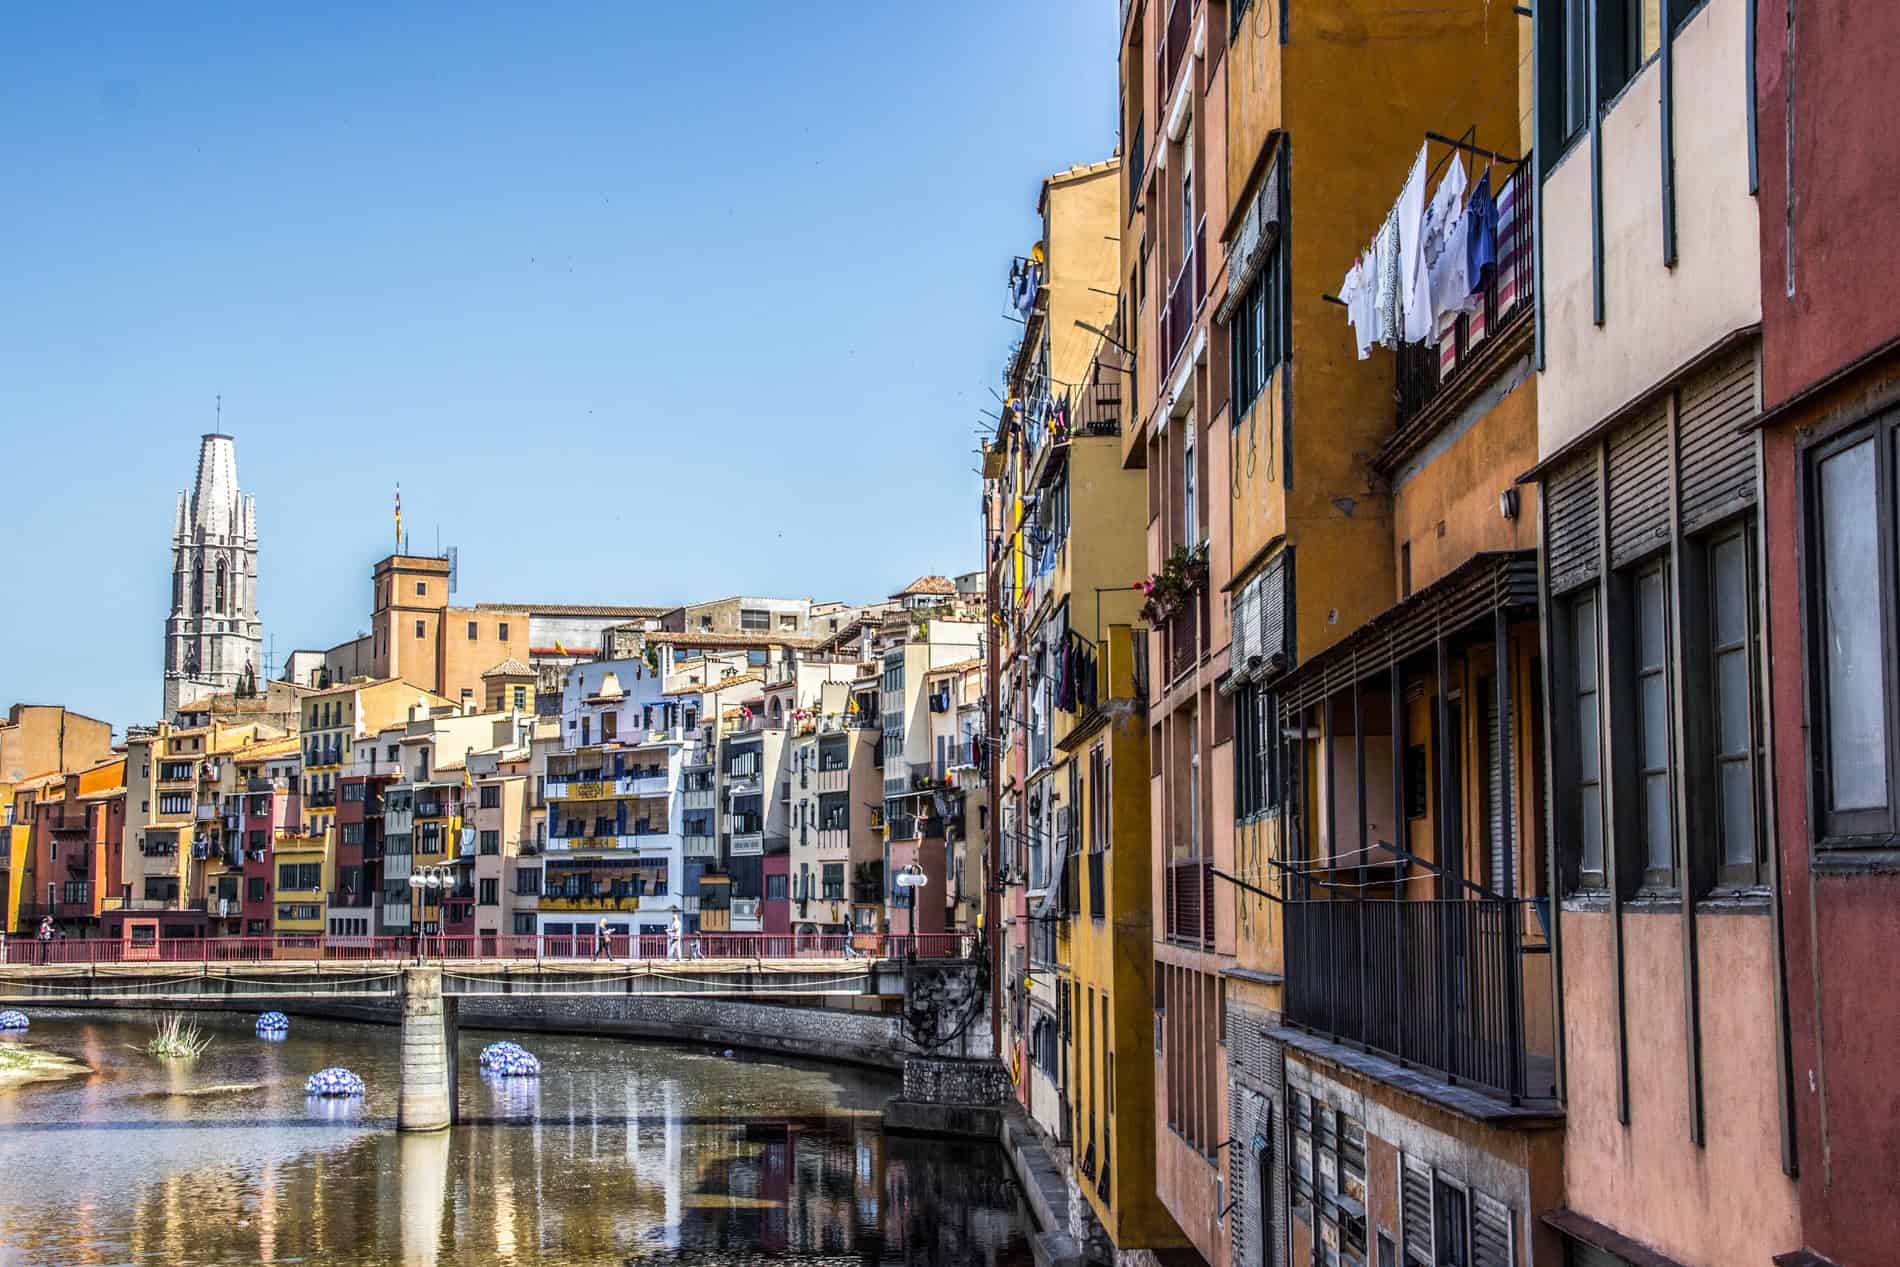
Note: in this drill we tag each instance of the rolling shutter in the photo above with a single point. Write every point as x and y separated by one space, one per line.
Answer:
1718 460
1276 618
1490 1232
1639 487
1494 777
1571 509
1415 1211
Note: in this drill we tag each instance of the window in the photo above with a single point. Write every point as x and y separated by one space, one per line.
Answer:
1588 737
174 802
1256 752
528 882
1190 526
1652 727
834 881
350 833
422 588
491 842
775 886
1851 618
524 923
418 629
501 630
299 876
753 620
256 888
787 623
521 692
1258 338
490 892
755 658
1734 652
491 796
834 811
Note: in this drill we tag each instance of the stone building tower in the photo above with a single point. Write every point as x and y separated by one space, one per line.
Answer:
213 638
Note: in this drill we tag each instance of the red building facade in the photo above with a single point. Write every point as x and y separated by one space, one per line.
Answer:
1831 397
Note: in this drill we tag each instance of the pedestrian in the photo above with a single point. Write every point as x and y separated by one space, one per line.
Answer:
46 935
674 937
601 945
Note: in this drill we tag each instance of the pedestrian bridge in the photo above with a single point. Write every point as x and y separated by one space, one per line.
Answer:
427 986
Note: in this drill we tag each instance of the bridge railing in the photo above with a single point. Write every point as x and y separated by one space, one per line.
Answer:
321 948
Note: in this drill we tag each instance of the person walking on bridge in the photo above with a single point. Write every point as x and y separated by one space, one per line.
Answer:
602 946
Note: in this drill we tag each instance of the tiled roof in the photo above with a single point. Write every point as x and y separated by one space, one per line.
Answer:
510 667
573 609
705 638
699 688
961 666
928 585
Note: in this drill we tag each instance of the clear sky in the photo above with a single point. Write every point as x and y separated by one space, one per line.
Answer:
640 303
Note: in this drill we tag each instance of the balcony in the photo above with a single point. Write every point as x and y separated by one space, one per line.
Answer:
1436 985
207 812
606 788
1190 903
320 800
1186 292
1428 372
701 846
748 844
348 900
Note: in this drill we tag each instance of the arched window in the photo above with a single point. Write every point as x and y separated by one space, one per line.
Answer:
223 588
777 712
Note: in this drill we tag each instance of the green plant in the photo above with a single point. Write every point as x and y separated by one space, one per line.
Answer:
177 1039
1168 591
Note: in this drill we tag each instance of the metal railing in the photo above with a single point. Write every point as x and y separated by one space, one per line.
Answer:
434 946
1433 983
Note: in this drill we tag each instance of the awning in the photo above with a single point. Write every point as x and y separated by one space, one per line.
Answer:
1481 585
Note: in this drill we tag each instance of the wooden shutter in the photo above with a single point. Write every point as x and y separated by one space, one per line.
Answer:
1571 507
1639 486
1246 622
1276 617
1718 459
1494 793
1490 1232
1415 1211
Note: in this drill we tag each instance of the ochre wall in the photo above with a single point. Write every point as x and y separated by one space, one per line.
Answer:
1459 488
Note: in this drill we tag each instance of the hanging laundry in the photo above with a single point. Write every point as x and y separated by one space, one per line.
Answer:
1024 278
1447 260
1386 268
1358 292
1415 307
1513 248
1481 232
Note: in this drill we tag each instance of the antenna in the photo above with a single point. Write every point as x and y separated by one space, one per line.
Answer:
219 424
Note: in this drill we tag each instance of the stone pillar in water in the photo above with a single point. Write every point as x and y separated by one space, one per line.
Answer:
427 1098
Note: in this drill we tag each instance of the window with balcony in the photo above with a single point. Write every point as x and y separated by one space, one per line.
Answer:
834 811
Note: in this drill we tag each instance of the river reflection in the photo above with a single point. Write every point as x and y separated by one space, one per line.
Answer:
619 1153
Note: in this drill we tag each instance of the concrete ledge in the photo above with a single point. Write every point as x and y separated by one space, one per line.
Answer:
973 1121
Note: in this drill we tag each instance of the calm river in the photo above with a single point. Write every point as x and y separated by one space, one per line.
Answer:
620 1153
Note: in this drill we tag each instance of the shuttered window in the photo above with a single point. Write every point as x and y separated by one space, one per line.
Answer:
1571 510
1716 453
1491 1239
1639 487
1415 1212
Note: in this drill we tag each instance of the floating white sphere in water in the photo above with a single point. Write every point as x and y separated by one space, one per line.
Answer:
11 1019
334 1081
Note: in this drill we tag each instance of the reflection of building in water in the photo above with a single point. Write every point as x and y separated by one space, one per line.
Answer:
425 1194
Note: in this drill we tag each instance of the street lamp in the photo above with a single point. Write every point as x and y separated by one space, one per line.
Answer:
912 877
430 877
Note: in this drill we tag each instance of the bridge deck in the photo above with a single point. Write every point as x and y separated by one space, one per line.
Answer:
282 980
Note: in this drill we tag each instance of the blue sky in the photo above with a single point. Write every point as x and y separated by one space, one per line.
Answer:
640 303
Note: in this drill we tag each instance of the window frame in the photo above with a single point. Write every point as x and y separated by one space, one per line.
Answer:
1655 880
1742 532
1860 828
1593 879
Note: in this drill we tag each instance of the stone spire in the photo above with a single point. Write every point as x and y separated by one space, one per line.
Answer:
213 634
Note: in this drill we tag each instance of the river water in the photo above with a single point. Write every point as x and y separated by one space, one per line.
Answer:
621 1152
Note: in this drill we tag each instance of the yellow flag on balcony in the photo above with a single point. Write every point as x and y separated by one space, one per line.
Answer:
558 648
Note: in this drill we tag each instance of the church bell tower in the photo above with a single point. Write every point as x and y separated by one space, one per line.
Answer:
213 638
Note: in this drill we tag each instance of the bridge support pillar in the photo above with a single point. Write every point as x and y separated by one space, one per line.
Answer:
426 1101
